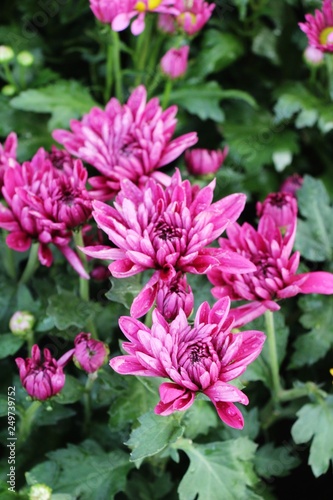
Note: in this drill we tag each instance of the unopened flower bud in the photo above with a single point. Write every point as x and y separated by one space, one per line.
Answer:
174 62
40 492
8 90
204 161
313 56
89 354
6 54
25 58
21 323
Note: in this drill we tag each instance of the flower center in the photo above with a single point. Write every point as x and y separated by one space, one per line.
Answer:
68 197
326 36
166 232
150 5
278 200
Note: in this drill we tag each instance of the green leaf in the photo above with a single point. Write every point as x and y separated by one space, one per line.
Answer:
201 100
9 344
153 435
223 471
274 462
54 414
124 290
218 51
315 422
318 318
66 310
199 419
314 238
265 44
73 391
84 471
64 100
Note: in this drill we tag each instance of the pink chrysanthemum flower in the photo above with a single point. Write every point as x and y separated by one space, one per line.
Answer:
107 10
281 206
319 27
174 62
127 141
275 277
173 296
165 230
44 204
192 16
89 354
42 379
139 10
199 358
204 161
7 155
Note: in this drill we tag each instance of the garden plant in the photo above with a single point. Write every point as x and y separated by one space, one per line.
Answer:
166 249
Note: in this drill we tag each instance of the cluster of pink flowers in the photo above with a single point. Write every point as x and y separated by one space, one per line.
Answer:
44 377
189 16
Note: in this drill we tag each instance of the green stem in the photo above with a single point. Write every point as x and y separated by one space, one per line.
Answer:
329 67
84 283
9 260
87 400
108 73
30 340
274 364
31 265
166 93
117 65
27 420
8 75
142 49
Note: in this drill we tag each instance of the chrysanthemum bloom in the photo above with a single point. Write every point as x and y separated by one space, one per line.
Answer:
174 62
44 204
127 141
319 27
275 277
291 184
281 206
167 230
107 10
7 155
204 161
193 15
199 358
173 296
139 10
89 354
42 379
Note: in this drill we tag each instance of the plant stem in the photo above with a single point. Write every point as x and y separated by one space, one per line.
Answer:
142 48
117 65
84 283
274 364
329 67
30 340
31 265
9 261
87 400
108 73
166 93
26 422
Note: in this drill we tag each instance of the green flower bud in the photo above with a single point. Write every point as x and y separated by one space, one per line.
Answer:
21 323
25 58
8 90
40 492
6 54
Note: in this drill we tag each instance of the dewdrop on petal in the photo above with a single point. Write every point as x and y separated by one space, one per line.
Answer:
21 323
40 492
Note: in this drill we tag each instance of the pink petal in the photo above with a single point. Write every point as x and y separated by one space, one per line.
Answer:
316 282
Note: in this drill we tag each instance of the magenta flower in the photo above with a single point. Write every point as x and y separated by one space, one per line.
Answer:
204 161
191 18
319 27
44 204
106 11
7 155
89 354
275 277
291 184
126 142
281 206
173 296
42 379
199 358
167 230
174 62
139 10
